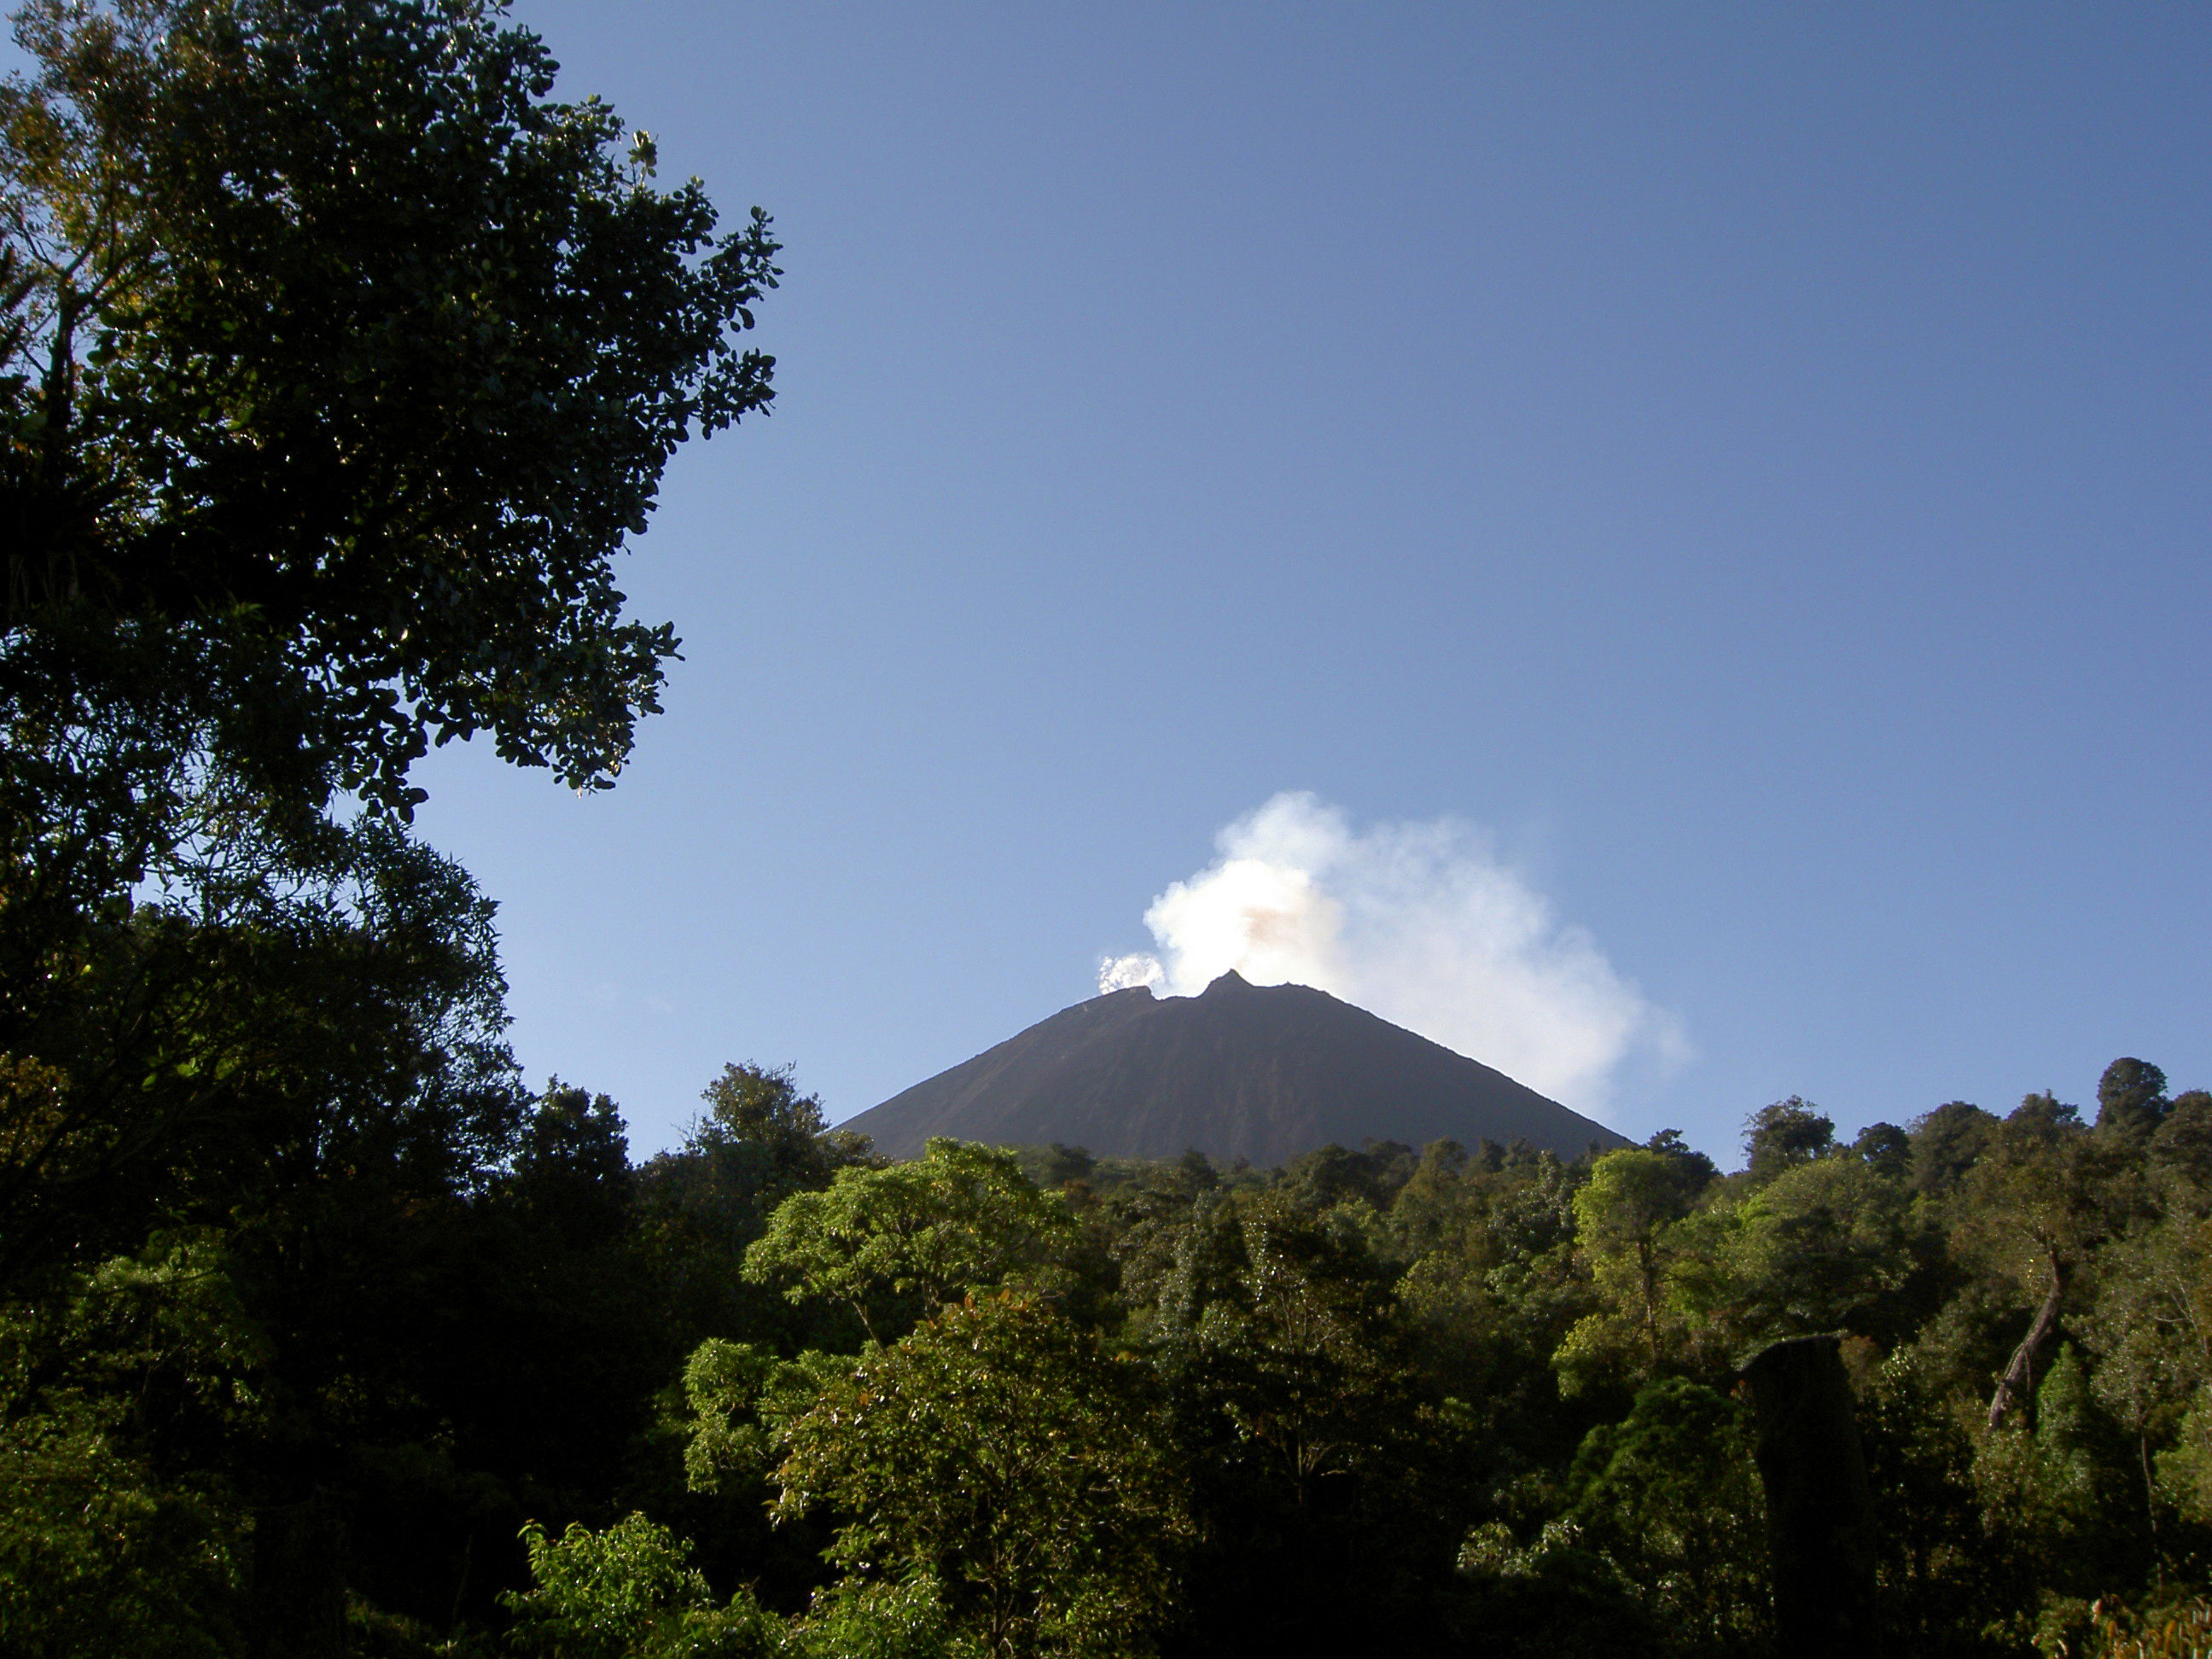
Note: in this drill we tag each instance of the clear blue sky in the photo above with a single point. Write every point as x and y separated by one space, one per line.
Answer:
1752 459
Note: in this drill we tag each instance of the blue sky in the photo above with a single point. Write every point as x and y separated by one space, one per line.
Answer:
1745 467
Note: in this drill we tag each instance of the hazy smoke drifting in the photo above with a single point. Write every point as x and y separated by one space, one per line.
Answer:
1417 922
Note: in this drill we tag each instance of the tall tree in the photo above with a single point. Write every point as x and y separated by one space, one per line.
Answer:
1789 1132
341 360
893 1244
337 361
1623 1217
2131 1097
1003 1455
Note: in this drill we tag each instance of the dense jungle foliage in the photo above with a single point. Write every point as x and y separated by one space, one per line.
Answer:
338 362
765 1394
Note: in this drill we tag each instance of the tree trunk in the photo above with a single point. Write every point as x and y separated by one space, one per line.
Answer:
2016 1387
298 1581
1819 1509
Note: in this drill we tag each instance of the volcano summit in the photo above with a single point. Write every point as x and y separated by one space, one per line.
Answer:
1260 1072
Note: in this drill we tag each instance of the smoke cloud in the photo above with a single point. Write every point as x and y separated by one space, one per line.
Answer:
1418 922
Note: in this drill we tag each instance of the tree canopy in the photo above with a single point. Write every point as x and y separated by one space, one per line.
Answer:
339 360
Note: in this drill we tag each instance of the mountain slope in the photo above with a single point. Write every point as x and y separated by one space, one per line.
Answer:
1241 1071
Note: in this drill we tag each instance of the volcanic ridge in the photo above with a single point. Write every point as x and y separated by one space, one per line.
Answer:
1241 1071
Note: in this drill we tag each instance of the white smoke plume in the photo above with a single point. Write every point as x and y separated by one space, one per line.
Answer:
1417 922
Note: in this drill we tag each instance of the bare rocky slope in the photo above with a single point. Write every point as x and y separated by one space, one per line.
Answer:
1258 1072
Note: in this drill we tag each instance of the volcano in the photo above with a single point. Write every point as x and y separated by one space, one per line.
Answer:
1241 1071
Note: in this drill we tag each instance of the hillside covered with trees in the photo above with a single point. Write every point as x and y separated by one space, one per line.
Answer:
338 360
